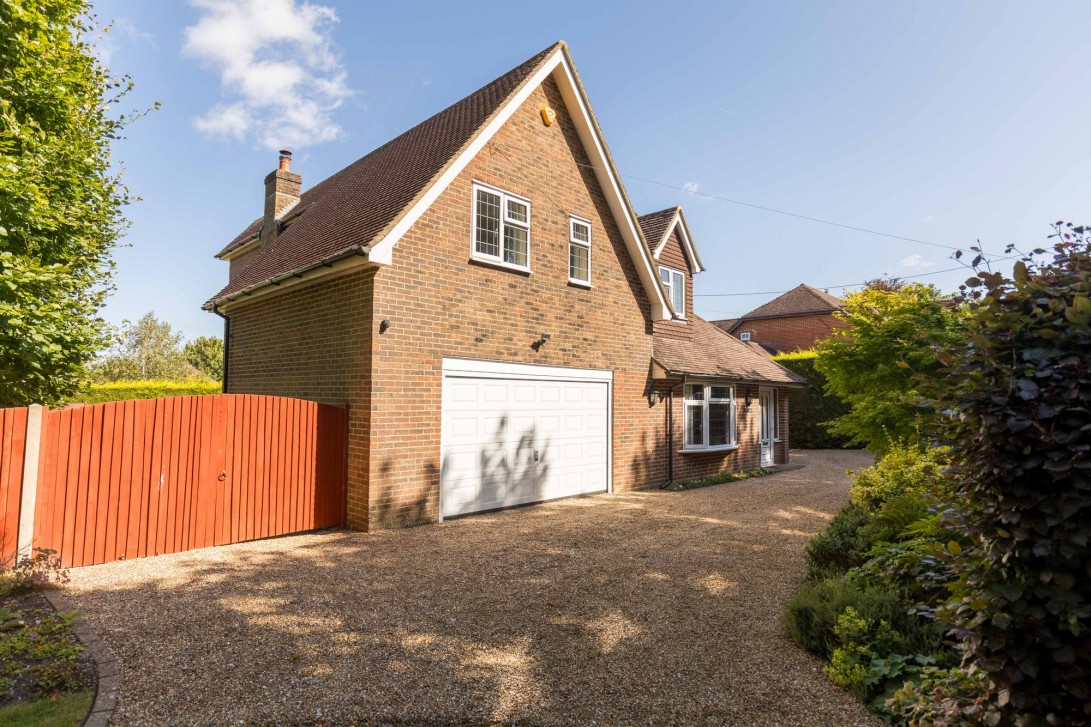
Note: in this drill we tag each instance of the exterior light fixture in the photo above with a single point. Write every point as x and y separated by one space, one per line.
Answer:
749 398
384 325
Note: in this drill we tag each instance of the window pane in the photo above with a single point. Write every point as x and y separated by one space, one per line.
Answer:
695 392
517 211
719 424
581 232
695 425
515 245
488 223
720 392
579 259
678 294
665 275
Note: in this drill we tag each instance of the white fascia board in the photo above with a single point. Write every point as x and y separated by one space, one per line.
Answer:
686 242
470 367
556 65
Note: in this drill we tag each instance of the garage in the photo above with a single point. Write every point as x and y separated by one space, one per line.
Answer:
513 434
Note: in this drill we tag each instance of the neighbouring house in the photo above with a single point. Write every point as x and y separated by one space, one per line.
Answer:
501 324
793 321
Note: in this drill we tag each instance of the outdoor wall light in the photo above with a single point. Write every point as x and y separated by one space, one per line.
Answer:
537 345
749 398
384 325
653 397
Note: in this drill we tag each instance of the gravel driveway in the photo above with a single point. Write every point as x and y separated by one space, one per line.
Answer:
636 608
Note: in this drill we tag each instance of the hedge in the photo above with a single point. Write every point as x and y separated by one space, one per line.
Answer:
810 408
122 390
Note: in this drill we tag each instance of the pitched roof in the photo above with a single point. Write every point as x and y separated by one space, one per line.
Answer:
358 203
711 352
657 225
799 301
725 324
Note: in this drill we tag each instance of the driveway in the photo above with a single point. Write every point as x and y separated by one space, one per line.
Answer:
635 608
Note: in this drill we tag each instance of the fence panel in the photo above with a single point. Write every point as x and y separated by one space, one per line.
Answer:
137 478
13 432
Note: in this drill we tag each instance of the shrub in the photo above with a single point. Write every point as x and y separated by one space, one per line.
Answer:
812 613
809 409
905 469
952 697
123 390
1021 450
843 545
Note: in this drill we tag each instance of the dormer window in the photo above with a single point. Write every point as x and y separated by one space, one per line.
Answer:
501 227
675 283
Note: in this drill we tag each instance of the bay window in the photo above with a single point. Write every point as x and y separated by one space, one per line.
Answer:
709 416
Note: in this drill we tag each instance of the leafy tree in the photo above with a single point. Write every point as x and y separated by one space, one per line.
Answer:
1021 448
206 354
885 363
147 349
60 201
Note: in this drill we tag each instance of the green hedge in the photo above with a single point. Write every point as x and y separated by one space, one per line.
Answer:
122 390
810 408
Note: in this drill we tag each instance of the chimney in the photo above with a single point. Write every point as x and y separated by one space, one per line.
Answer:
282 190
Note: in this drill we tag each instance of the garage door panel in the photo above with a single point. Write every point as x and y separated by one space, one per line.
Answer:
515 441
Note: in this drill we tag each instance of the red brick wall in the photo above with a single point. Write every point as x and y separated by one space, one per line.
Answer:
793 333
312 342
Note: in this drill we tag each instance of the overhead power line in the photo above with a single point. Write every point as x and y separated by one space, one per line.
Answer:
848 285
780 211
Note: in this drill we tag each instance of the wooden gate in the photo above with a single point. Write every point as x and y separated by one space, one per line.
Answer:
129 479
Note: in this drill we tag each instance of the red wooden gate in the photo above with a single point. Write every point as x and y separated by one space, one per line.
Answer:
129 479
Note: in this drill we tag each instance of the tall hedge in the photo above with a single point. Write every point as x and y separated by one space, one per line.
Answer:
810 408
122 390
1020 437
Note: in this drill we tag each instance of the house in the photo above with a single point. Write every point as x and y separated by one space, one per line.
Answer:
794 321
502 325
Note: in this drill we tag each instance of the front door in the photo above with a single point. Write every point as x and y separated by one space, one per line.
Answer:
767 413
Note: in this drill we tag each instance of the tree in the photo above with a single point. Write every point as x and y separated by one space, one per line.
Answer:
148 349
1020 437
206 354
884 365
60 201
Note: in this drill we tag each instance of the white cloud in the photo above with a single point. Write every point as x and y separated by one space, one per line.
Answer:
914 262
691 188
278 66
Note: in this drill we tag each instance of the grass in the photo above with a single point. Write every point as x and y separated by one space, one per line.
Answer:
63 711
715 479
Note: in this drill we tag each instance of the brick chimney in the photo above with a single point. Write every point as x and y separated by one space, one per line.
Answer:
282 190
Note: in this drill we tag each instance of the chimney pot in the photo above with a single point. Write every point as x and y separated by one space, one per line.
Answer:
283 188
285 160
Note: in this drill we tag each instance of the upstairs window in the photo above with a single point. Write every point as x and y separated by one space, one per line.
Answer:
579 251
675 283
744 336
709 417
501 227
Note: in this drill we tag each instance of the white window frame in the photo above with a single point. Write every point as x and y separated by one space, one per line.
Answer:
744 336
573 220
669 285
505 221
776 415
733 422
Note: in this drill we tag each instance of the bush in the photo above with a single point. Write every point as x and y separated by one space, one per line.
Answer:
843 545
905 469
809 409
123 390
812 613
1021 449
945 697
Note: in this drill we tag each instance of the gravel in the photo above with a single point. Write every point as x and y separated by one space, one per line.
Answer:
635 608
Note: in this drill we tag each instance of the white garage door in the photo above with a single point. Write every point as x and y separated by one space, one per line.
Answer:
515 433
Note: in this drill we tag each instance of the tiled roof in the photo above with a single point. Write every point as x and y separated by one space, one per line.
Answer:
654 224
726 324
797 301
713 353
355 205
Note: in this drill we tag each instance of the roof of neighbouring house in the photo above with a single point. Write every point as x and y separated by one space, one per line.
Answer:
361 201
799 301
713 353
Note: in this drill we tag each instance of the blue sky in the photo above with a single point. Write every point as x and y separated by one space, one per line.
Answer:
943 122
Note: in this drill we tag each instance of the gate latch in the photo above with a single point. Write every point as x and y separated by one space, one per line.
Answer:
223 476
535 455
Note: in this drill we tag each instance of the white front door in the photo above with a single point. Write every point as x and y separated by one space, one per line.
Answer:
516 433
767 413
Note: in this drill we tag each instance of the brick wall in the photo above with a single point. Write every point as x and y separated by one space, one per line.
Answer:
792 333
312 342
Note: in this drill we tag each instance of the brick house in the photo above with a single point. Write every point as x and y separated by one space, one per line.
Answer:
502 325
793 321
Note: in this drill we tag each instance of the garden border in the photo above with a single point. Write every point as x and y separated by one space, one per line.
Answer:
108 681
